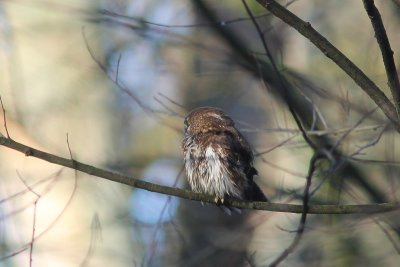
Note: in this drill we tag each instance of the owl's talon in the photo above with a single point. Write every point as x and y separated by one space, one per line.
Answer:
216 200
219 200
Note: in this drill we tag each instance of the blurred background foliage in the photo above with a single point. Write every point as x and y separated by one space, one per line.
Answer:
112 81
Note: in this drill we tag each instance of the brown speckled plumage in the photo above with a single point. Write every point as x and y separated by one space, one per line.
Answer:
218 160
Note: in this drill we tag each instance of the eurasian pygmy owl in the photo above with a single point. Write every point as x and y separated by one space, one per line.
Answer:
218 160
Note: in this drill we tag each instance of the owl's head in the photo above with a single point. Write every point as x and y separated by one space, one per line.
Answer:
207 119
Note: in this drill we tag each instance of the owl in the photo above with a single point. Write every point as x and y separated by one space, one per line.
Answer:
218 159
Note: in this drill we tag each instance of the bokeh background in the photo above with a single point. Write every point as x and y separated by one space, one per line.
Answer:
111 81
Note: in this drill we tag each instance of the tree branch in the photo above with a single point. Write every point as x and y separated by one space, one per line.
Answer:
386 50
186 194
337 56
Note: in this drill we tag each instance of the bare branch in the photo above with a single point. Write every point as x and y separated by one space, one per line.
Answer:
160 222
14 253
186 194
386 50
394 243
171 100
22 192
34 218
275 146
117 72
4 117
148 110
114 15
69 148
95 235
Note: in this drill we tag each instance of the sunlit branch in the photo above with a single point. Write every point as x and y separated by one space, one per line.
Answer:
186 194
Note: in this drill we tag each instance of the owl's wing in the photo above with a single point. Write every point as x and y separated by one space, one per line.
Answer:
239 158
236 153
245 156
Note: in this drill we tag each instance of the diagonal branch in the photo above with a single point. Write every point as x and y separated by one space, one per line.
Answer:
337 56
186 194
386 50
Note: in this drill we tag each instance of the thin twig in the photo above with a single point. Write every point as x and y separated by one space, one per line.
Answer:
171 100
148 110
59 216
71 197
346 134
22 192
47 189
375 161
172 112
253 129
153 245
371 143
14 253
386 50
395 244
34 218
4 117
302 224
115 15
94 237
69 148
275 146
117 72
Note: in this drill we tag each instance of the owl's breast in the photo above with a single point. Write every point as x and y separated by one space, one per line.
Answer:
208 169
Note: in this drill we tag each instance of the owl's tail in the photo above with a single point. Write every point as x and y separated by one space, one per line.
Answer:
254 193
